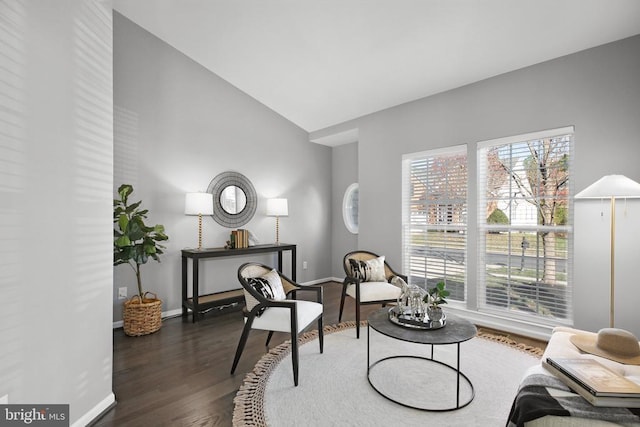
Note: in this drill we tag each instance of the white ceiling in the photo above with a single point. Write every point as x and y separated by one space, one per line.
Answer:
322 62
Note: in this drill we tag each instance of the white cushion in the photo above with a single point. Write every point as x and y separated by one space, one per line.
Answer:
374 291
279 318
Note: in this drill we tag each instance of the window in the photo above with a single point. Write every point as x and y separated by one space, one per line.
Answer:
524 225
350 208
434 224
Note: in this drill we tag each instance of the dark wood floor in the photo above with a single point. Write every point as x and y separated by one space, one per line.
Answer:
179 376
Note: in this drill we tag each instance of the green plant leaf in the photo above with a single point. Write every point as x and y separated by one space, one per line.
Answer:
123 221
133 207
124 190
123 241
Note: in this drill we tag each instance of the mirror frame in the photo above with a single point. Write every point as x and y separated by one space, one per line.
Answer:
224 180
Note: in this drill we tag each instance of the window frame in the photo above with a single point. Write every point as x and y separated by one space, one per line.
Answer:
483 228
448 225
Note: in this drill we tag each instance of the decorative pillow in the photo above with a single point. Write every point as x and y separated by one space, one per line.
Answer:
368 271
268 285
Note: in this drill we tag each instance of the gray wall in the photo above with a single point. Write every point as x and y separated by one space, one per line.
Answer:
56 161
344 172
597 91
177 126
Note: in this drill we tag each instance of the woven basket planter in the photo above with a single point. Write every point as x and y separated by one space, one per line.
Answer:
142 316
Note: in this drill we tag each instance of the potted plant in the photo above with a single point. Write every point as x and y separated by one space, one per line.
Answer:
135 244
435 297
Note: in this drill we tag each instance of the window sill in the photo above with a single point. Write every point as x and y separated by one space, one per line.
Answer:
488 320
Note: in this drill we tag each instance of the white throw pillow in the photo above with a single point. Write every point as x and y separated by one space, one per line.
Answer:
368 271
268 285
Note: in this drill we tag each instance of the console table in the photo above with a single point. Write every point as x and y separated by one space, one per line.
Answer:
198 303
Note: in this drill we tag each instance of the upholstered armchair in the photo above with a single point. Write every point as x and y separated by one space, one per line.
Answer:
368 281
271 305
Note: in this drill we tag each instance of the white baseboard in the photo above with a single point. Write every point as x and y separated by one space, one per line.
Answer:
96 411
317 281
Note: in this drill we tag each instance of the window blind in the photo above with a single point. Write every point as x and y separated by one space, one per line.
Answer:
525 225
434 224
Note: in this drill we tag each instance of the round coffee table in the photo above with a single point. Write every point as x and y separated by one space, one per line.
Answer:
456 331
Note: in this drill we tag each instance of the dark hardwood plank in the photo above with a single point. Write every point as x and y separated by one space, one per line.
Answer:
179 376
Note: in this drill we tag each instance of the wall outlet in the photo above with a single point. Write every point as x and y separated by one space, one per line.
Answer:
4 400
304 265
122 293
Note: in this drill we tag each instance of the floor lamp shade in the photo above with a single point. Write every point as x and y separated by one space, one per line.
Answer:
198 204
611 187
617 186
277 208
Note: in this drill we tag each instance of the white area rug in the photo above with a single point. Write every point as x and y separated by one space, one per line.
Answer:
333 389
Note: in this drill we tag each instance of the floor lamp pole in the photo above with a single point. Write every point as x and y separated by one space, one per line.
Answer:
613 245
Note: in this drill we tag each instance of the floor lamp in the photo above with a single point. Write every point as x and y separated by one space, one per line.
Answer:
199 204
611 187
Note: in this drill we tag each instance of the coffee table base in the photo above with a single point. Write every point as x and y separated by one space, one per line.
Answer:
462 376
459 376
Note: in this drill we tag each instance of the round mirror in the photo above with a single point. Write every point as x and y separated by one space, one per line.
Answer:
234 199
350 208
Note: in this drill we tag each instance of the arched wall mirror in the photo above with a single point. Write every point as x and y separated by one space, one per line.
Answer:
350 208
234 199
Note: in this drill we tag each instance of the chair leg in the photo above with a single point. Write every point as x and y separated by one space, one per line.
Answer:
243 341
320 334
294 357
357 320
344 294
269 338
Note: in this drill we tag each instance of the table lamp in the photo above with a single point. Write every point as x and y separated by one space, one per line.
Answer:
277 208
199 204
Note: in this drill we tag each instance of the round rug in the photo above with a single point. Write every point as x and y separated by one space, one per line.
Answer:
333 387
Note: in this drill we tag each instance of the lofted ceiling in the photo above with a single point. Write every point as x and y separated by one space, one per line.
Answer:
323 62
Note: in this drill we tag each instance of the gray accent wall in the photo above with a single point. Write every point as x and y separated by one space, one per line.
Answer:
344 172
597 91
56 163
177 126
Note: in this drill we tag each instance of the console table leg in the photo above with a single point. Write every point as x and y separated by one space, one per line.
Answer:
185 312
196 290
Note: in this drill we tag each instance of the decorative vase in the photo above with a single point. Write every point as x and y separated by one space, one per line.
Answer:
435 313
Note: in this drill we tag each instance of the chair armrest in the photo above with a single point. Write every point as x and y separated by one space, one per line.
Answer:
351 280
283 303
317 289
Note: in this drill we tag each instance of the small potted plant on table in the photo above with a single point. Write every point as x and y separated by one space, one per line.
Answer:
435 297
135 244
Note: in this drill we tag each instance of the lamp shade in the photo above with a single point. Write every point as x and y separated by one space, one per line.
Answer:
198 204
277 207
618 186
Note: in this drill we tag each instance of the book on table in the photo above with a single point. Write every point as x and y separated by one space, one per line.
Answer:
595 382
